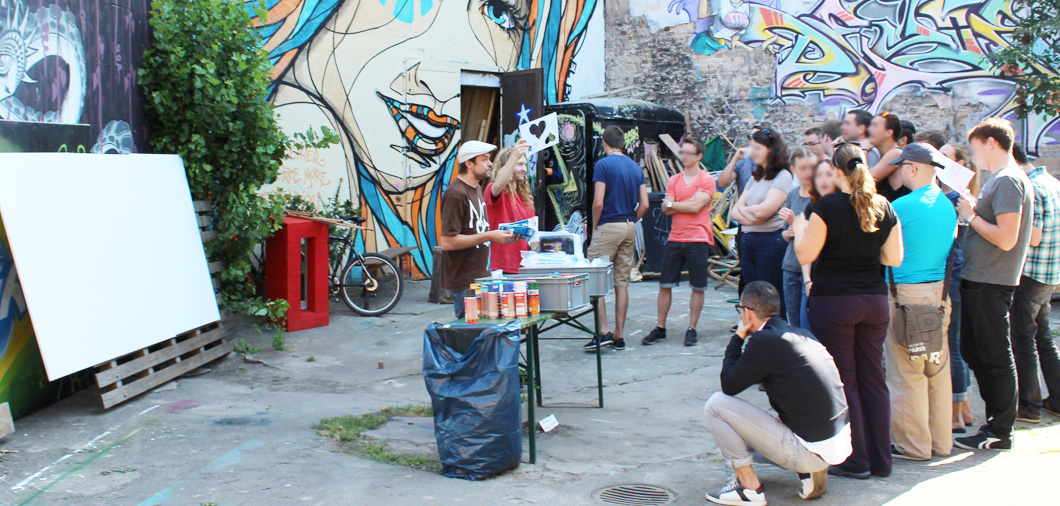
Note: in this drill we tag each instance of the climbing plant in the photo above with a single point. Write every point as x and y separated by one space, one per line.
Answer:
205 80
1032 57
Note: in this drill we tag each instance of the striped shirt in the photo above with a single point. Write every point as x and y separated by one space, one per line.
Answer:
1043 260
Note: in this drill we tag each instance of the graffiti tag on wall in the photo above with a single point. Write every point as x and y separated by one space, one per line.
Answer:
858 53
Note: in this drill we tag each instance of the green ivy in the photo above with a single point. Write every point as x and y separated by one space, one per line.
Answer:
1032 57
205 80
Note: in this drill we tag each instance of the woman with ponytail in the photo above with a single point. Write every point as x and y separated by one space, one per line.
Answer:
851 234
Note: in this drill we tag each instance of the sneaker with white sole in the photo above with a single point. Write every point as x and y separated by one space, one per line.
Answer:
814 484
736 495
984 440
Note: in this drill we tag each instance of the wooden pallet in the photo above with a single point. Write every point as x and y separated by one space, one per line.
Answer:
128 376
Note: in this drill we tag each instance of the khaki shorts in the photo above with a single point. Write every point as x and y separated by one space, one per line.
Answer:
616 240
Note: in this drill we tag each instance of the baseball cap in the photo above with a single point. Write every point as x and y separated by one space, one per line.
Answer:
920 152
471 149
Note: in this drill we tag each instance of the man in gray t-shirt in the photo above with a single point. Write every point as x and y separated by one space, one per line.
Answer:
994 247
1009 191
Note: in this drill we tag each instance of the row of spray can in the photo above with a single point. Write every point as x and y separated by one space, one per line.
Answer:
502 300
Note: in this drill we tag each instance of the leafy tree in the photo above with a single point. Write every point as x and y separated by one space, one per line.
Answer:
205 80
1032 58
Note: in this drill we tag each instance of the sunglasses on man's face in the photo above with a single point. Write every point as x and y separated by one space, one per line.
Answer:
811 144
688 153
741 308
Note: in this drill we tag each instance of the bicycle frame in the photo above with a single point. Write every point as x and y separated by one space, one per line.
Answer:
337 266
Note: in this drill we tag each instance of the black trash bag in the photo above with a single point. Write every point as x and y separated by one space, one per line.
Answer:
472 375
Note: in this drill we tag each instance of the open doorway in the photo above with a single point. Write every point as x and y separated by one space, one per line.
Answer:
480 117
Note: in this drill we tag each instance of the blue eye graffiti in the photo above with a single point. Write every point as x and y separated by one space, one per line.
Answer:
500 13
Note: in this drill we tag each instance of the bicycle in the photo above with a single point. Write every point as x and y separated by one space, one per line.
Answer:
366 279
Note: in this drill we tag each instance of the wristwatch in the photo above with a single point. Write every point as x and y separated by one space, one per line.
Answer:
669 204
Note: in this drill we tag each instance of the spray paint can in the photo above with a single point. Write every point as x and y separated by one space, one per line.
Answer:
533 298
471 309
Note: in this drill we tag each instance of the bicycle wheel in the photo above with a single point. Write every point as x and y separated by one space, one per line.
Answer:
373 287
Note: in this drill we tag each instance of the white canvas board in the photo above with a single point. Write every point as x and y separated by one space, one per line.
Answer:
108 253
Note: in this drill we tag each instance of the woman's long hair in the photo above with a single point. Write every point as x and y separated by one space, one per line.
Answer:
850 159
778 155
964 157
516 188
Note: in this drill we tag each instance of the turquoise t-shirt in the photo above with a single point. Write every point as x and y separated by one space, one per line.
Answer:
929 226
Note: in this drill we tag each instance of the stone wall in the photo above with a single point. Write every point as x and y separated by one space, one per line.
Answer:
650 57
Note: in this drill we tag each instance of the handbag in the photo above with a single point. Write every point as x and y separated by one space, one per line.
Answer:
918 328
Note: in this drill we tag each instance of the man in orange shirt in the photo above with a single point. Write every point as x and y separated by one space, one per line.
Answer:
688 198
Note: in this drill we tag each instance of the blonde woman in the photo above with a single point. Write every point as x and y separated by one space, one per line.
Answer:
508 199
850 233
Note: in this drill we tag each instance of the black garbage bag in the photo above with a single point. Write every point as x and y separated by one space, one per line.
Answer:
472 375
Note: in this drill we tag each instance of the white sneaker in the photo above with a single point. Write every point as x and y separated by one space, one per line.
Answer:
736 495
814 484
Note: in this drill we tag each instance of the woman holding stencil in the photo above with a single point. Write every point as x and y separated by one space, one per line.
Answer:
508 199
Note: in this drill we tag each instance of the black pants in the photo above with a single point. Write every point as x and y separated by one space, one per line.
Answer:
1033 342
853 329
985 346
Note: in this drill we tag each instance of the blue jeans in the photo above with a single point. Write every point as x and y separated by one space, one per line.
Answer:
458 303
960 376
795 299
762 258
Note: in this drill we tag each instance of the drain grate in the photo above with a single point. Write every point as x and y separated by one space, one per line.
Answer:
635 494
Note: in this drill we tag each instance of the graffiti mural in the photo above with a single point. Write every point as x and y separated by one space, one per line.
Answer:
386 74
75 62
847 54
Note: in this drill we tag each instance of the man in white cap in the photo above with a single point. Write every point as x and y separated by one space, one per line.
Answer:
466 230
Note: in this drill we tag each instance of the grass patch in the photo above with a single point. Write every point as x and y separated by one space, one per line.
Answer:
349 431
1050 450
1021 428
310 359
246 348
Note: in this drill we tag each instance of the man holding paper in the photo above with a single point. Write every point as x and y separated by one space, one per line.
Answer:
995 245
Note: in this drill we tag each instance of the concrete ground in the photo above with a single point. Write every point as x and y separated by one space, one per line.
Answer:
240 434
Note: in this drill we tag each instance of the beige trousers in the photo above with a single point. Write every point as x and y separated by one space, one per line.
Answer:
921 391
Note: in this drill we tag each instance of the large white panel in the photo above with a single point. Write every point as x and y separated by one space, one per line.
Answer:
108 253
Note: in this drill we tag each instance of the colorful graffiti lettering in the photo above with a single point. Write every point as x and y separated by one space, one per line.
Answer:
348 64
858 53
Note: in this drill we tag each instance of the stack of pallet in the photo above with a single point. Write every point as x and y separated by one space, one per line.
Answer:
657 171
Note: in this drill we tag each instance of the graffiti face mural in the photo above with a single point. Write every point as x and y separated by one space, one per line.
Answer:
846 54
75 62
386 74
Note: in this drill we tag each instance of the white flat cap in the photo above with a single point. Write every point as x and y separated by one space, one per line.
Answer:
471 149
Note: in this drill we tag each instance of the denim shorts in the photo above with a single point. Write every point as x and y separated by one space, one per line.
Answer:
678 255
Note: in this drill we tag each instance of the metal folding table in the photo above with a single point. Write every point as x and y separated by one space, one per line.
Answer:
532 327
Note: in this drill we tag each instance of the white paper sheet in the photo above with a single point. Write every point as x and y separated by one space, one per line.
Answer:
954 175
540 133
108 253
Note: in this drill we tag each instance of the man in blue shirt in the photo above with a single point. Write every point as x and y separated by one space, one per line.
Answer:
620 198
919 381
